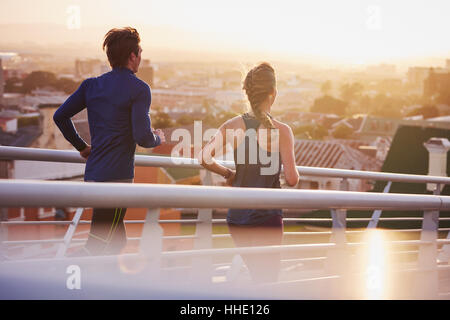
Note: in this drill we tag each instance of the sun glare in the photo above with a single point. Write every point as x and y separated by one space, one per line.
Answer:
376 265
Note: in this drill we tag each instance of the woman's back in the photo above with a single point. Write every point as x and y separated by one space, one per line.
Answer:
253 172
249 163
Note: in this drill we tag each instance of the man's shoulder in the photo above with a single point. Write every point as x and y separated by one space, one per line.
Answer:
87 81
136 85
140 83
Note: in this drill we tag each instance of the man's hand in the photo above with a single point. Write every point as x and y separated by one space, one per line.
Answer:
160 133
86 152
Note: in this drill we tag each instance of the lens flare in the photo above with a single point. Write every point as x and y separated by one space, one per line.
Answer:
375 267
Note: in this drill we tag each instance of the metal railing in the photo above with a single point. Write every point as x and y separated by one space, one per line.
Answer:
76 194
34 154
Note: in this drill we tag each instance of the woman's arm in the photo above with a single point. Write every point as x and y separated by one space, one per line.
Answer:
206 156
288 157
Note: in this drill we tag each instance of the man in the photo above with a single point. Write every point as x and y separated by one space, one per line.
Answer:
118 105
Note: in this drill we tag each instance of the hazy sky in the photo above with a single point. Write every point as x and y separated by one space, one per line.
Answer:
357 31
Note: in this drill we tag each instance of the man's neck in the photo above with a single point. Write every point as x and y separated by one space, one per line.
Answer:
125 68
131 69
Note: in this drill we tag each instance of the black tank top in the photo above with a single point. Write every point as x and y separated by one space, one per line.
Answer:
249 174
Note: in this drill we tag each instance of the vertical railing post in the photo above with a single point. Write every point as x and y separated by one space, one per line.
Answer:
69 234
337 258
3 232
427 279
202 266
152 241
444 256
377 213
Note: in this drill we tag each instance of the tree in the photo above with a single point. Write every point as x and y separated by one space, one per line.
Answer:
388 107
41 79
66 85
185 120
216 121
13 85
208 104
342 132
38 79
350 91
162 120
328 104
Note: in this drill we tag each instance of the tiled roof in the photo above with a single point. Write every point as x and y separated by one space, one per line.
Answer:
22 138
333 154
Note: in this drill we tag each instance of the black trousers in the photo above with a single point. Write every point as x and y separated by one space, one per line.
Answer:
107 235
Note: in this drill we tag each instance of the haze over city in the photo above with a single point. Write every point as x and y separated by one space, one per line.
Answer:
324 33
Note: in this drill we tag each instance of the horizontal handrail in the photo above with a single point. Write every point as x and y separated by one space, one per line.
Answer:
218 221
36 154
31 193
214 236
52 241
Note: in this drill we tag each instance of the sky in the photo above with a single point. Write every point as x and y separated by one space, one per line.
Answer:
346 31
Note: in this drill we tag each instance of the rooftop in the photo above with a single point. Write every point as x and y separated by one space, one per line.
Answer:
24 137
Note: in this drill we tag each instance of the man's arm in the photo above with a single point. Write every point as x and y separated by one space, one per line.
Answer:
62 117
142 130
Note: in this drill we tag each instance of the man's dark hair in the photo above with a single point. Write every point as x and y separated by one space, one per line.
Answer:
119 44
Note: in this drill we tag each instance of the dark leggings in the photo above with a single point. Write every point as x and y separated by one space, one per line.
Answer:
107 235
263 267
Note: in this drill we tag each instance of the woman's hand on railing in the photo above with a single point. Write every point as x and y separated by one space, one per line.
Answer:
230 178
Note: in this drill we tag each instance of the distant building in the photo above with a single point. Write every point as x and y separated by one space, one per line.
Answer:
417 75
12 99
8 124
215 83
13 73
51 137
2 81
447 64
186 100
373 127
90 68
224 99
436 83
146 72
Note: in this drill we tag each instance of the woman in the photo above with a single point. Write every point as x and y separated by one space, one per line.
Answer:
250 227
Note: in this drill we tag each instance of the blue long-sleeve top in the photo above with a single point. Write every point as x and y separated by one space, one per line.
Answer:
118 104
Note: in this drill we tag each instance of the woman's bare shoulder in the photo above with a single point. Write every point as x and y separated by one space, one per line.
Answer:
284 128
233 123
